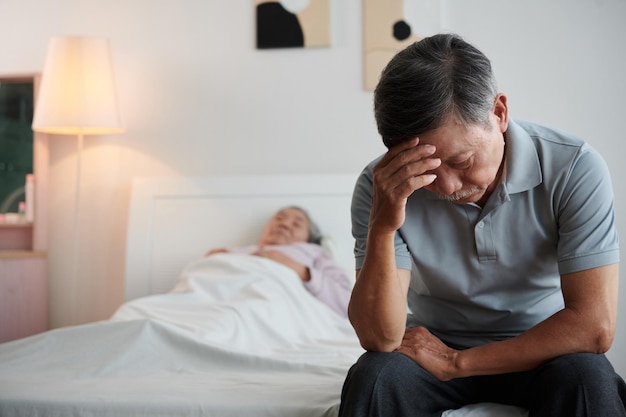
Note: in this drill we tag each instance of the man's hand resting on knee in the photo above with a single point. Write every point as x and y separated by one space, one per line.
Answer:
430 353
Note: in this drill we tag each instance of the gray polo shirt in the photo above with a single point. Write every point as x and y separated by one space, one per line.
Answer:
487 274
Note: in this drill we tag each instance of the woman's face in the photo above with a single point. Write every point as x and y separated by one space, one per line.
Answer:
287 226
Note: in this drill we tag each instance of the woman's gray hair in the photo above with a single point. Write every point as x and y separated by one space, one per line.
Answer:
315 234
428 81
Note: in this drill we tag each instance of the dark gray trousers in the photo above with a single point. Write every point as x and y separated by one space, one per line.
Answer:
391 384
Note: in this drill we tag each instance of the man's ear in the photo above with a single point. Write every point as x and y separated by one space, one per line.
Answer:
501 112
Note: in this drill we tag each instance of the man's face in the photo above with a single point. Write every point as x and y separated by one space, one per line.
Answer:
287 226
471 158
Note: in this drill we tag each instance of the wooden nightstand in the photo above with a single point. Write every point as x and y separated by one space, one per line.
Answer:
23 294
23 246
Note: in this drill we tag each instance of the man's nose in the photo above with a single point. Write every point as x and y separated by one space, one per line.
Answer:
447 184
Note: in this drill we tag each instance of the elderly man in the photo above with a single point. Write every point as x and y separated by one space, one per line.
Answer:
497 235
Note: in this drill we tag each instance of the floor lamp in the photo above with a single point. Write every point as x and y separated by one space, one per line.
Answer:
77 96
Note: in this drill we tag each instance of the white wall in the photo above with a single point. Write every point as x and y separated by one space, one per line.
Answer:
198 99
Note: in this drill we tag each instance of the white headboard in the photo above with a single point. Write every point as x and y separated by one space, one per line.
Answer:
174 220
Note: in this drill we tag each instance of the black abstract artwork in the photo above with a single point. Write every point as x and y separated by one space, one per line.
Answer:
277 28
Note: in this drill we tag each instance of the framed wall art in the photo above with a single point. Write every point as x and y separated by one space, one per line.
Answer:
292 24
391 25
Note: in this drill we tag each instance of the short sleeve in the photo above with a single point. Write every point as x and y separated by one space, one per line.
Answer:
586 218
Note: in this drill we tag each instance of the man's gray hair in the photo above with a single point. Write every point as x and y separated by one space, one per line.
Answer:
430 80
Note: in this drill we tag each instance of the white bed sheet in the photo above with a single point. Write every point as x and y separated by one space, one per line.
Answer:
245 303
239 335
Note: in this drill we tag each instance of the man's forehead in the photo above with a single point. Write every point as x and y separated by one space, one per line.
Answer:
451 142
449 149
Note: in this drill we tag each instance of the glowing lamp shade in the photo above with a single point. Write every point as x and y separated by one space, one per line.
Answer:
77 97
77 94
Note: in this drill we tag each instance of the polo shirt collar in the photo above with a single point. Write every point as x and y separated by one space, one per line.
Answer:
523 170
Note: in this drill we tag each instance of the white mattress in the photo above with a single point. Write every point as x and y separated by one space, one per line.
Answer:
238 336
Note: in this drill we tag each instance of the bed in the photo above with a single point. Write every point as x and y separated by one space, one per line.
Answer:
227 335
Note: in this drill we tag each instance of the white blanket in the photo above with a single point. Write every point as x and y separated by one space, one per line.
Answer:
253 306
238 336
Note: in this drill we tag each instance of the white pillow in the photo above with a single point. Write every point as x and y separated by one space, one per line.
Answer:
328 243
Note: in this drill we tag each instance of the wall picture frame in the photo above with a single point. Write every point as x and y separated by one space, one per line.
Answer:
292 24
390 26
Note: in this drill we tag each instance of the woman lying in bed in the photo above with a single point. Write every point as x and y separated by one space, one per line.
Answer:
291 238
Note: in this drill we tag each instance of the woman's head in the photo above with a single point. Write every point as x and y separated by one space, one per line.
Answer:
290 225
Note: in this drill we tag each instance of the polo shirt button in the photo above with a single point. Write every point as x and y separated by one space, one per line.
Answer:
481 224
